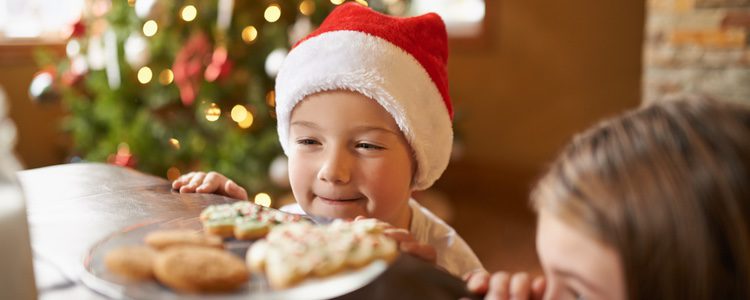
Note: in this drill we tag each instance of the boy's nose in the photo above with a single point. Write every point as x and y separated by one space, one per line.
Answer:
335 168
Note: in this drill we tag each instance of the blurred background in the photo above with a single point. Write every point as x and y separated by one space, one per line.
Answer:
171 86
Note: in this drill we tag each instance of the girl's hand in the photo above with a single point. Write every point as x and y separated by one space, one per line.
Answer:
211 182
503 285
406 242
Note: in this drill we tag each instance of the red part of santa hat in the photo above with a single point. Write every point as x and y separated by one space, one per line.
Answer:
424 37
398 62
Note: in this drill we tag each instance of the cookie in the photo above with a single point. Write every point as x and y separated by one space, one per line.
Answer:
328 263
219 211
248 229
199 269
293 252
280 273
243 220
219 219
163 239
256 256
131 262
221 227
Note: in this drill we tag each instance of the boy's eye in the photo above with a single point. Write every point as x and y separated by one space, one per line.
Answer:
307 142
369 146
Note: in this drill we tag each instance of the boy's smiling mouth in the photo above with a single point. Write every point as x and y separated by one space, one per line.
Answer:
339 200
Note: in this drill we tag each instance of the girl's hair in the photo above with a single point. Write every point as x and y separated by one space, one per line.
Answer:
668 187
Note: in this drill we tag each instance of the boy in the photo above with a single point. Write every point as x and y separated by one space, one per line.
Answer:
364 116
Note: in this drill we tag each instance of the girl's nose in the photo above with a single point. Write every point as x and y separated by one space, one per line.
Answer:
336 168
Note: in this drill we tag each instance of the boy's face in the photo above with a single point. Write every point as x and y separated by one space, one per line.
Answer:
347 157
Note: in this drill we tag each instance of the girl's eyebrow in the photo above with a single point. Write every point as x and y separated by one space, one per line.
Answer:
593 288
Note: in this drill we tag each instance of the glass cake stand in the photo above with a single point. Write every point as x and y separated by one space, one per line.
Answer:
97 277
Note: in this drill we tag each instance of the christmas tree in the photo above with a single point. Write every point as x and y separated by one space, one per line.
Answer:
171 86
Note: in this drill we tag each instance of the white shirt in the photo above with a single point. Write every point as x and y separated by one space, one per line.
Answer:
453 254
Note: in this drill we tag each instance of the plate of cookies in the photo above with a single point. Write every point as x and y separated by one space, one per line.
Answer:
238 251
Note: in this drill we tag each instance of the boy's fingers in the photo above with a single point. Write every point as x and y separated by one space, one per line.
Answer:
234 190
185 181
182 180
194 182
477 282
466 277
399 234
213 176
520 286
176 183
498 288
380 225
428 252
423 251
197 180
537 288
207 186
212 182
186 189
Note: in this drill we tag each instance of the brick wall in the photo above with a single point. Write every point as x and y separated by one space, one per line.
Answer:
697 46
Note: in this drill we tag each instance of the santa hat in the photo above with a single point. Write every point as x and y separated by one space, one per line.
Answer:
398 62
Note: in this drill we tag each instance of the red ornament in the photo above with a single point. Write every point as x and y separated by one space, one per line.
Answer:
77 29
123 157
188 67
220 65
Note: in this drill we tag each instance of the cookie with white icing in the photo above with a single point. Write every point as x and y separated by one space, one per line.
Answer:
243 220
292 252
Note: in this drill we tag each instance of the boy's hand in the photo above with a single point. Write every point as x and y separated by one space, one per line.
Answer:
211 182
503 285
406 242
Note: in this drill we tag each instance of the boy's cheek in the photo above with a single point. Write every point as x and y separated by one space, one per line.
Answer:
297 168
301 163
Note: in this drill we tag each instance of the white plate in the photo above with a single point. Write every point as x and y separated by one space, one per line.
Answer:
97 277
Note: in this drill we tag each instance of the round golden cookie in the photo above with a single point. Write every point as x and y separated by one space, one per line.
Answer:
200 269
132 262
163 239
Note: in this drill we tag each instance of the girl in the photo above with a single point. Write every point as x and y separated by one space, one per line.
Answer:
654 204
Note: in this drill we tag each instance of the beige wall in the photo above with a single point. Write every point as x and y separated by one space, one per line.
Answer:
547 69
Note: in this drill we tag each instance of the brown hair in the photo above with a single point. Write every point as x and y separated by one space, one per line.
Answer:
668 187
